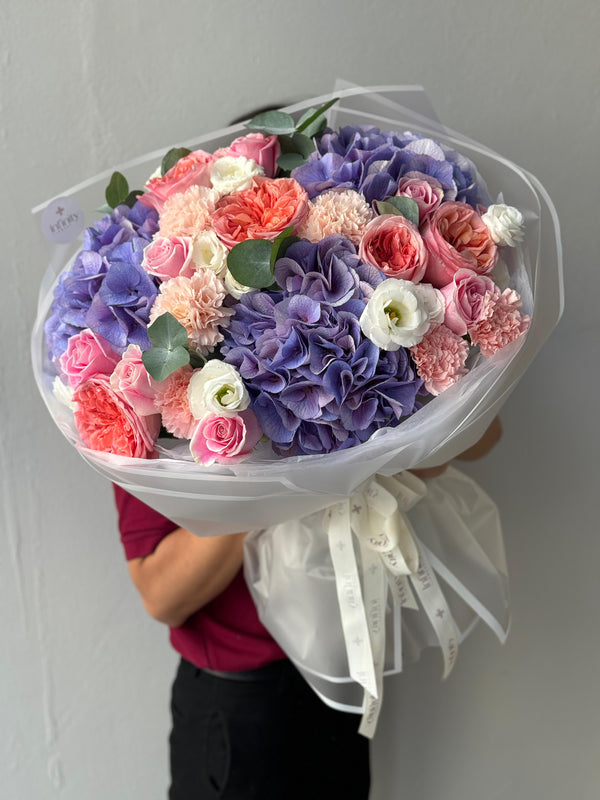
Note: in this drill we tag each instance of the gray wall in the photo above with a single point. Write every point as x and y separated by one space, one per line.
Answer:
84 675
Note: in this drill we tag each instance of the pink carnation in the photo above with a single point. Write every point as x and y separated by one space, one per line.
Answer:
187 213
197 303
499 322
440 358
171 400
107 422
345 212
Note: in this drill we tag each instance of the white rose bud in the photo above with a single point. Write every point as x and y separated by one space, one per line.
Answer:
208 252
235 288
395 316
505 224
233 174
217 388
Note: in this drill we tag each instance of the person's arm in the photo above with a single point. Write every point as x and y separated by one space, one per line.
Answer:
185 572
480 449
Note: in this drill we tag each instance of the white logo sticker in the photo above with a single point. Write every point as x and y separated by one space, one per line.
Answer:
63 220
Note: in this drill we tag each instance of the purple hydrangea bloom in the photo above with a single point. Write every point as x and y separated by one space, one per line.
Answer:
372 162
316 383
118 238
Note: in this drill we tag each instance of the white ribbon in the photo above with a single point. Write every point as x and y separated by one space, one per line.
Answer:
393 558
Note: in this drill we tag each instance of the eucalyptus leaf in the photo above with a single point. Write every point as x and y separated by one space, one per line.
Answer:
401 206
311 125
104 209
117 190
277 122
166 331
289 161
250 263
172 157
281 244
160 362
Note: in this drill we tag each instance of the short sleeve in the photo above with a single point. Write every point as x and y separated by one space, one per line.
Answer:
140 526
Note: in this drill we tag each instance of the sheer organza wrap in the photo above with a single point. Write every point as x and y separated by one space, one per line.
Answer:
288 566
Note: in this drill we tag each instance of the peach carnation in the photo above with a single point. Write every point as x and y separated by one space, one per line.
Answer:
187 213
440 358
171 400
345 212
500 321
262 212
197 303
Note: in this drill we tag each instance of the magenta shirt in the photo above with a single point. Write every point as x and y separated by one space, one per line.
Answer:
226 634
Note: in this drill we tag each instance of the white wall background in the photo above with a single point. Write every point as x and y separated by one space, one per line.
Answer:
84 675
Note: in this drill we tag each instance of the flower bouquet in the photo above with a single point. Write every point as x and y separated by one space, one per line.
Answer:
281 315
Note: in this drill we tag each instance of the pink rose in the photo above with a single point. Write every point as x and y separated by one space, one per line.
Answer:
456 237
225 440
168 258
132 382
265 150
262 212
191 170
107 422
426 191
464 299
394 245
87 354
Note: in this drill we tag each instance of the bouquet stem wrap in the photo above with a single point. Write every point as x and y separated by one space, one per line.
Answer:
353 592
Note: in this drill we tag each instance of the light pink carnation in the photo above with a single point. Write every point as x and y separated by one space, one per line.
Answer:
440 358
187 213
171 400
500 321
197 303
345 212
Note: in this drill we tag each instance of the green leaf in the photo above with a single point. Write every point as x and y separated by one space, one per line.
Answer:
166 331
250 263
160 362
289 161
277 122
172 157
104 209
117 190
401 206
281 244
132 197
311 123
297 143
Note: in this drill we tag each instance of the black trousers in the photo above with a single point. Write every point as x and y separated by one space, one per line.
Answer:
268 737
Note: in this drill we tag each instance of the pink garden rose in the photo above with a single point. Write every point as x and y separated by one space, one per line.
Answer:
394 245
440 358
265 150
464 299
87 354
426 191
131 380
225 440
107 422
167 258
191 170
456 237
262 212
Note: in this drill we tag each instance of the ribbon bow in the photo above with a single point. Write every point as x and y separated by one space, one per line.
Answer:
392 558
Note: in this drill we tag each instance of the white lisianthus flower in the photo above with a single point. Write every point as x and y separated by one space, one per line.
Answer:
217 388
208 252
235 288
505 224
63 393
233 174
433 302
395 316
